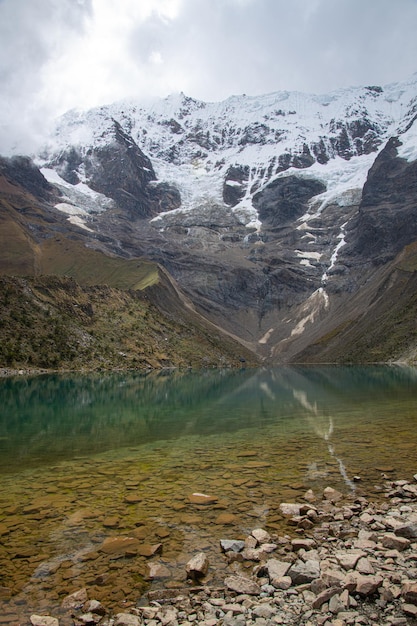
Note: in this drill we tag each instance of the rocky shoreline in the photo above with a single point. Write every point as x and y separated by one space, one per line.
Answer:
351 562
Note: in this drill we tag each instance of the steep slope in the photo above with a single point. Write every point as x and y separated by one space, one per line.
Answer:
53 322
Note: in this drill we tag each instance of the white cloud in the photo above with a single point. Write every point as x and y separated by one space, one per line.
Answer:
58 54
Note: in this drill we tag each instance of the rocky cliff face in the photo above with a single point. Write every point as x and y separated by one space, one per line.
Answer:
273 213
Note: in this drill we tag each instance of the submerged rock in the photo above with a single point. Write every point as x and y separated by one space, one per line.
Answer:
197 567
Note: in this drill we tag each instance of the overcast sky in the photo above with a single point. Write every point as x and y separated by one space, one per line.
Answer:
60 54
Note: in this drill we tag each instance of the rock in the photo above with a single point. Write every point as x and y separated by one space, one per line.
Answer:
366 518
197 567
282 582
261 535
131 498
225 519
287 508
409 592
304 572
251 542
127 619
268 547
94 606
364 566
332 494
111 522
233 545
392 542
114 545
253 554
409 531
156 570
305 544
335 604
363 585
202 498
333 578
410 609
76 600
240 584
168 615
309 496
89 618
264 610
149 550
276 569
43 620
348 560
325 596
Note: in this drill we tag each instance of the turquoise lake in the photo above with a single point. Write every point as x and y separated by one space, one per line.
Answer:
88 458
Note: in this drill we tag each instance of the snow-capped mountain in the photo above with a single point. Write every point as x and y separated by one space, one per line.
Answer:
261 207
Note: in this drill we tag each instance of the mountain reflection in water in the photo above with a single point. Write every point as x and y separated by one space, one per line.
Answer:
45 419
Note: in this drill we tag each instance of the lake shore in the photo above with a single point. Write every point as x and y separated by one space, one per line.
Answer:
346 560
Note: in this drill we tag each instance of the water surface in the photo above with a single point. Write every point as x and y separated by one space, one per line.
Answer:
85 458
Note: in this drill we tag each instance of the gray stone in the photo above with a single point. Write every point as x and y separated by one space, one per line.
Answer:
232 545
301 572
264 610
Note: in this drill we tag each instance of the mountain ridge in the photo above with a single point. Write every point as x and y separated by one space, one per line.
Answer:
270 212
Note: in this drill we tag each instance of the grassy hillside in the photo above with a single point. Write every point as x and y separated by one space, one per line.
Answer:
53 322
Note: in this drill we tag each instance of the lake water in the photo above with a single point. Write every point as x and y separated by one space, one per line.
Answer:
85 459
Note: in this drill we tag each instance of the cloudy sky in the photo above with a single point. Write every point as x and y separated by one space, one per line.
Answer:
60 54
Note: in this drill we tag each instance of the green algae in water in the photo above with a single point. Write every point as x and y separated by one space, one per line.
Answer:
85 458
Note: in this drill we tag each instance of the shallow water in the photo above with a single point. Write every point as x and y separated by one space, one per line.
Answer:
85 458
